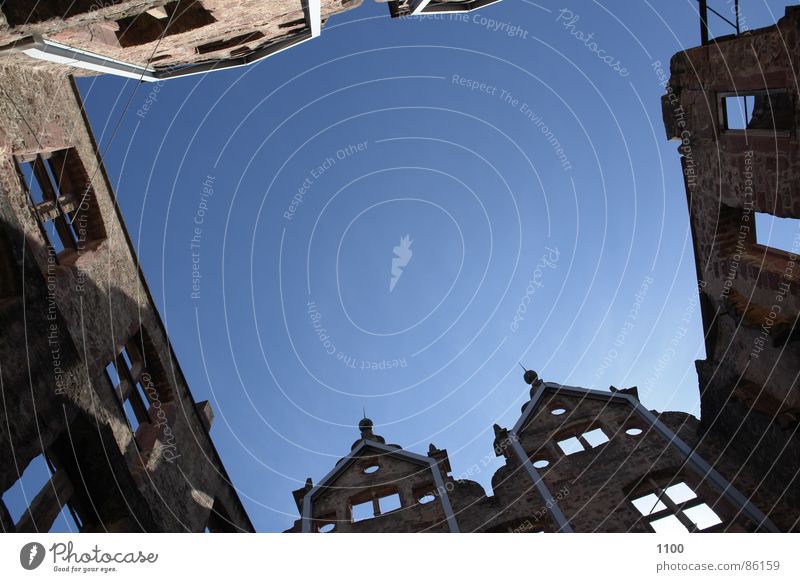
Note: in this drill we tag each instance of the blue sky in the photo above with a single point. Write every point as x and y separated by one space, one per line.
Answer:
545 210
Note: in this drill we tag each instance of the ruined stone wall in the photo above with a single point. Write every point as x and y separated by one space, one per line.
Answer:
750 393
595 488
65 318
129 30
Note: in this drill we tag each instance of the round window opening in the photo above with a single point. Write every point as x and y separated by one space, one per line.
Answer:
558 411
634 431
541 463
370 469
427 498
327 528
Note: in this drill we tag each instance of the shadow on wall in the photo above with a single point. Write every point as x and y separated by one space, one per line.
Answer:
49 405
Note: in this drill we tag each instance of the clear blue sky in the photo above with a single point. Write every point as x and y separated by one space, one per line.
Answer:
474 179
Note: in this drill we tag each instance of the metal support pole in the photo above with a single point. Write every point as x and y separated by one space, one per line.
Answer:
704 22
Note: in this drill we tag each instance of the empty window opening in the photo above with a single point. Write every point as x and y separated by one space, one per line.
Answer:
326 528
374 507
370 469
667 525
778 233
113 377
362 511
389 503
558 411
175 18
583 441
20 495
595 437
633 431
63 199
676 508
132 382
757 110
542 463
67 521
427 498
703 516
570 446
680 492
38 501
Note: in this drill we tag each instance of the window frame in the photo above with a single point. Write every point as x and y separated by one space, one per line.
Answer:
68 198
678 510
130 378
722 112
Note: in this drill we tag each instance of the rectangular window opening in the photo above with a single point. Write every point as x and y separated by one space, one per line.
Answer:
676 508
130 414
648 504
703 516
62 198
680 492
362 511
595 437
570 446
21 494
778 233
143 396
390 503
768 110
668 525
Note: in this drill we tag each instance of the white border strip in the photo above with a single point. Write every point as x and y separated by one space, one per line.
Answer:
313 11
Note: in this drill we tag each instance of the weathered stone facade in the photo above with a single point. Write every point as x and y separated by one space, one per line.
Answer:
159 39
750 297
624 456
89 379
164 33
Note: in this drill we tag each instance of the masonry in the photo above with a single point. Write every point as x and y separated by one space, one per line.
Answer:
749 292
91 386
577 460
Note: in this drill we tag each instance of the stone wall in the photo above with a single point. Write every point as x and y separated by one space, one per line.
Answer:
750 392
65 317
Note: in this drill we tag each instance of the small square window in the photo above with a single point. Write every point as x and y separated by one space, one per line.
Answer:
648 504
703 516
769 110
570 446
669 524
595 437
680 492
778 233
738 111
362 511
389 503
